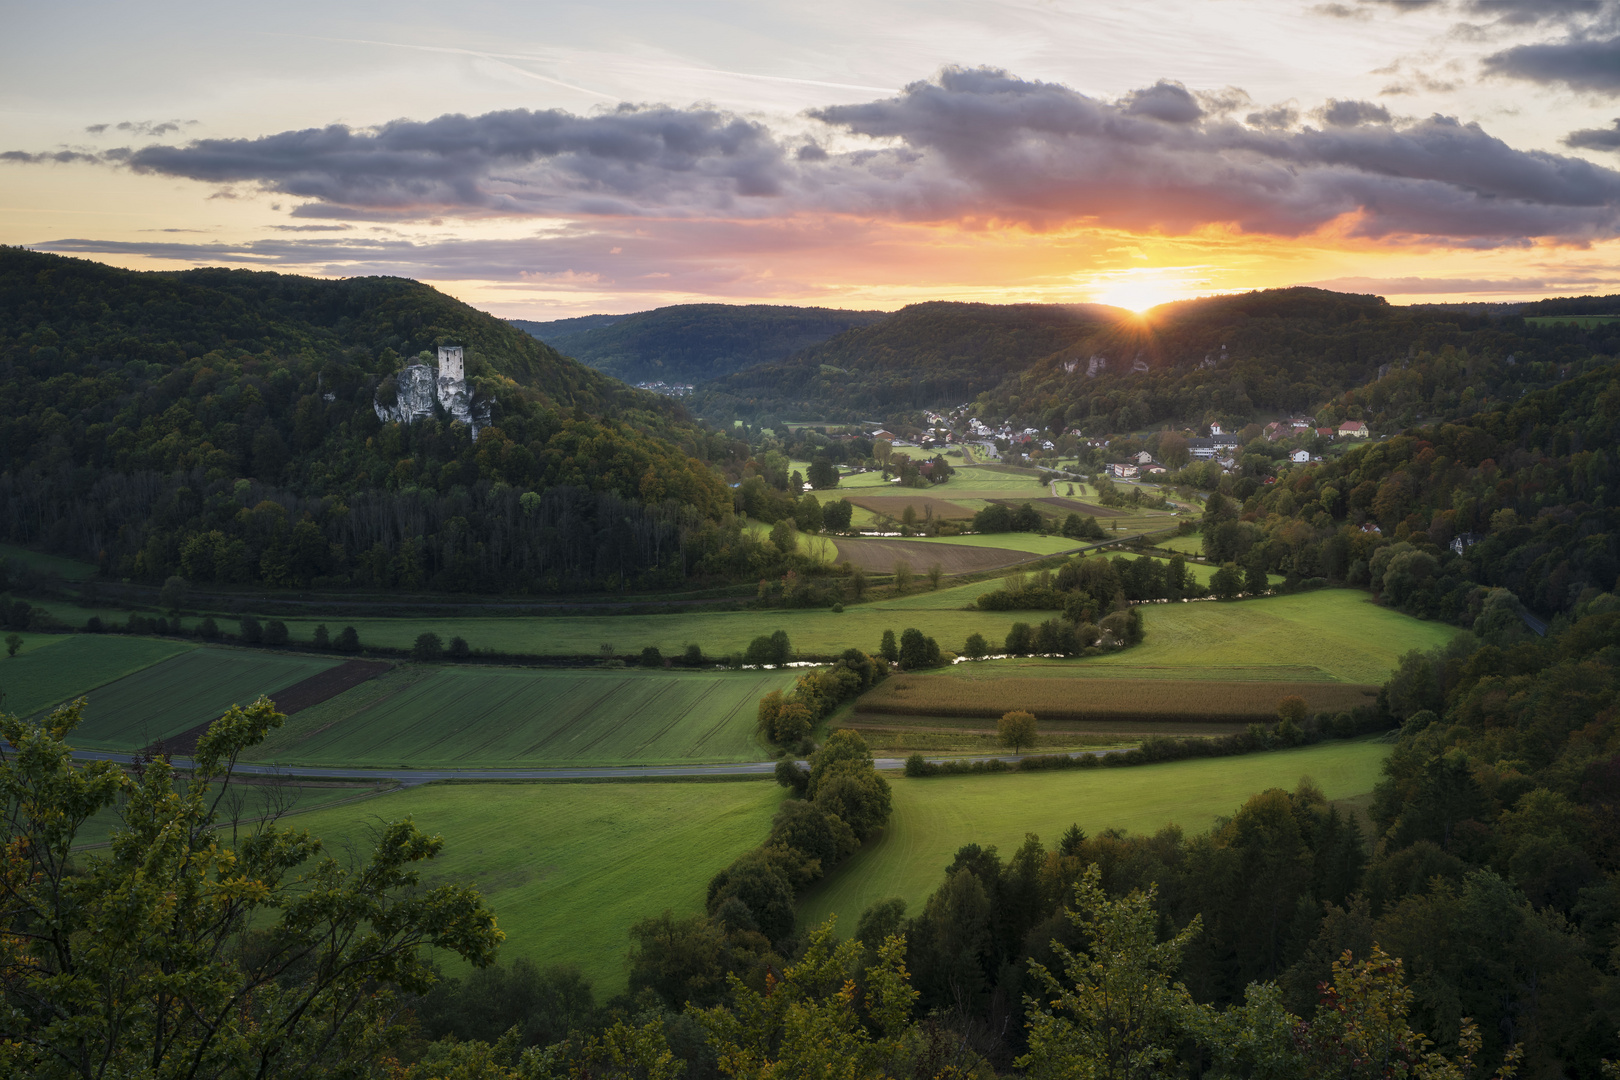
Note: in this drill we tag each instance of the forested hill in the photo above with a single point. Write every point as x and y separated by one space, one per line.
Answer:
1237 358
220 424
1246 357
692 343
925 355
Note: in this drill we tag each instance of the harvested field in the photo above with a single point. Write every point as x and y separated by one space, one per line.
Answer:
878 556
328 684
895 505
1101 699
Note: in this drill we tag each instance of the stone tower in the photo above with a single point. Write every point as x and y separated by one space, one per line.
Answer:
450 366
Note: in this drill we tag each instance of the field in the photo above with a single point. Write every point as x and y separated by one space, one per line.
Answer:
879 555
68 569
567 868
193 688
477 717
934 817
1033 544
50 670
1338 629
1070 699
895 505
1187 545
1585 322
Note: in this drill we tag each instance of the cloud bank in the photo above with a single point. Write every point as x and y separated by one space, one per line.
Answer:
974 145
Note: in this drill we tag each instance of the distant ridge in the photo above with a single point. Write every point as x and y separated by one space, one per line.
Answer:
693 343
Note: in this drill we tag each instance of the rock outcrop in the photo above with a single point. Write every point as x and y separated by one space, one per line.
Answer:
418 387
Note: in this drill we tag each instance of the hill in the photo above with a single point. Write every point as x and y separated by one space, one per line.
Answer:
1237 358
220 424
692 343
925 355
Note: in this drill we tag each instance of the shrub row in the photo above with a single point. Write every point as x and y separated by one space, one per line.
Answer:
1155 749
788 718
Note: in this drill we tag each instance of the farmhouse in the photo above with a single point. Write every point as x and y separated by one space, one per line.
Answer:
1353 429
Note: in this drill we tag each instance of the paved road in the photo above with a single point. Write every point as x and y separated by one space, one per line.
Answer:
413 777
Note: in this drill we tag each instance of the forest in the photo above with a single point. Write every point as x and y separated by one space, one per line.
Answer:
693 343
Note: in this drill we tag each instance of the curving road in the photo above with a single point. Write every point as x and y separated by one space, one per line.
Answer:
413 777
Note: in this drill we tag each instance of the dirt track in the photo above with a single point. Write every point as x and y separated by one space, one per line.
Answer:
878 556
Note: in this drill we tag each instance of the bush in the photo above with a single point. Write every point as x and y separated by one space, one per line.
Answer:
94 625
693 656
650 657
348 640
208 629
252 632
429 646
1020 639
322 640
774 649
275 632
976 647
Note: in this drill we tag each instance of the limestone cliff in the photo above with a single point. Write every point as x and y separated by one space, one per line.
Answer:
416 387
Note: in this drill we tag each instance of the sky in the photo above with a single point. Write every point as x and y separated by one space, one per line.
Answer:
546 160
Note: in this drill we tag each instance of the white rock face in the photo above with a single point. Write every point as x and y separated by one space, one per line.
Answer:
419 385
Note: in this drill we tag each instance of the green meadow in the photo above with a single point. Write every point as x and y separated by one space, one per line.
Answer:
194 687
51 669
489 717
567 868
934 817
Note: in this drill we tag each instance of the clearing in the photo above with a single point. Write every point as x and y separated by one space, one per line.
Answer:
934 817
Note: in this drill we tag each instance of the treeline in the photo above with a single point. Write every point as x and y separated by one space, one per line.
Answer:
788 718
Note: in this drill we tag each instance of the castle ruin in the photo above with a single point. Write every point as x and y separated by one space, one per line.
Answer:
419 386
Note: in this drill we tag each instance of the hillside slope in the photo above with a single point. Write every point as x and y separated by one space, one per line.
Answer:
691 343
924 355
195 422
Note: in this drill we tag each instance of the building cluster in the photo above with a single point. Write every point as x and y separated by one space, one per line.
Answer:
666 389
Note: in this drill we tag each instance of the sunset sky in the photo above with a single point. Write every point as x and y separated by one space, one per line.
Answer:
549 159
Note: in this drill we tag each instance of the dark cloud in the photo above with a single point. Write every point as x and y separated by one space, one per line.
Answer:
1581 63
971 144
1533 12
1164 100
984 142
1343 114
520 162
312 228
61 157
1595 138
96 129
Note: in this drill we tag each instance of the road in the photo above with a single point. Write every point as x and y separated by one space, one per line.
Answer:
413 777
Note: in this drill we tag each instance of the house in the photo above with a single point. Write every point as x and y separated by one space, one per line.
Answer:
1325 432
1123 472
1153 467
1215 429
889 435
1300 456
1204 449
1463 541
1353 429
1143 458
